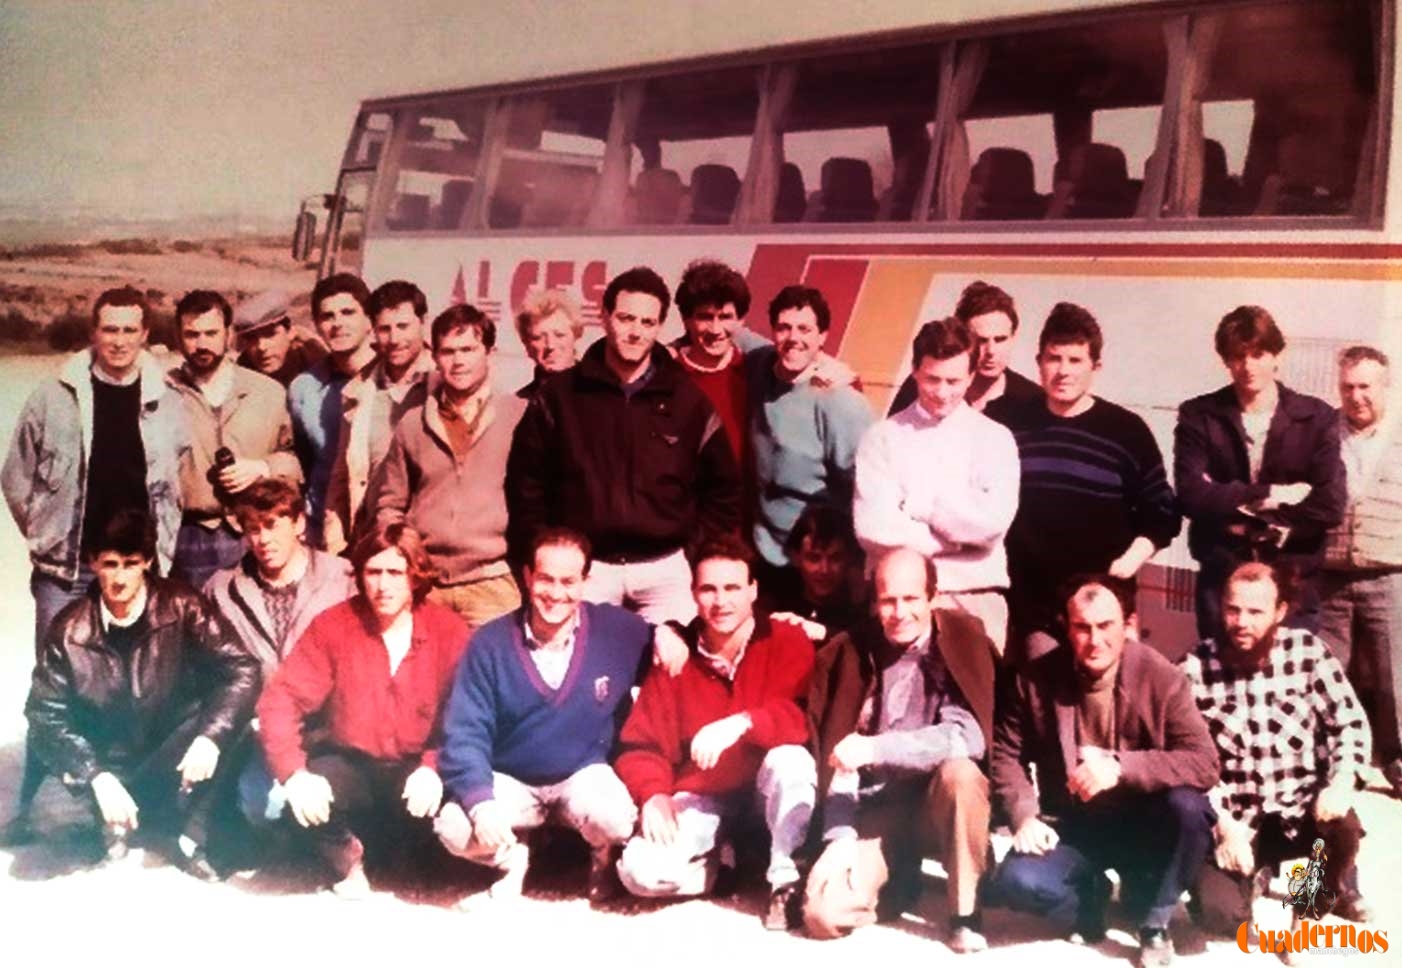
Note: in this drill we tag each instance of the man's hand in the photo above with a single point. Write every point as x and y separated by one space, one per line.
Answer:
241 473
423 792
1282 495
838 858
668 649
1233 853
1034 837
658 819
852 752
491 827
1127 565
828 371
1335 800
815 631
199 761
713 739
115 804
1099 771
310 797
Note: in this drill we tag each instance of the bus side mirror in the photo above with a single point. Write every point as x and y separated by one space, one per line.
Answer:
304 236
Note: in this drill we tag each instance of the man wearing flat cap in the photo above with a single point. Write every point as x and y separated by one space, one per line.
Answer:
266 340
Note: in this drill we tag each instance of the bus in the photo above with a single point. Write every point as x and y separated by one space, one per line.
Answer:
1157 163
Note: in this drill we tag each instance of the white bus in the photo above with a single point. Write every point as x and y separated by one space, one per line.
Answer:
1158 163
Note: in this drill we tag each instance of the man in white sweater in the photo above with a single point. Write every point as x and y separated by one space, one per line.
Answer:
942 478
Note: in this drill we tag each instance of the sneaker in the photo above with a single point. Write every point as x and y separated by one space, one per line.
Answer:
781 914
965 935
1155 948
1353 907
1392 772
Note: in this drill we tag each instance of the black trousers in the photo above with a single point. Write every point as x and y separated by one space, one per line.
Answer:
368 805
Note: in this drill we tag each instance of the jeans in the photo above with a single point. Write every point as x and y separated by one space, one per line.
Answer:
659 590
1361 617
1156 842
785 789
201 551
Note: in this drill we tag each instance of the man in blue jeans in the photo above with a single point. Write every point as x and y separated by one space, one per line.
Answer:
1123 762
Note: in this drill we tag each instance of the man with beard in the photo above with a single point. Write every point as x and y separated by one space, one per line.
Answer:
1293 743
267 342
1123 760
720 740
1258 470
340 309
624 448
374 401
240 433
445 472
374 671
549 324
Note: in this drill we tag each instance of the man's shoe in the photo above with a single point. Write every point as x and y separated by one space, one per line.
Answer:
1091 918
966 935
781 913
197 865
604 885
1392 772
1155 948
18 832
508 888
355 886
1353 907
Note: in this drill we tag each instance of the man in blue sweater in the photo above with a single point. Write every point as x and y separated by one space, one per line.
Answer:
532 717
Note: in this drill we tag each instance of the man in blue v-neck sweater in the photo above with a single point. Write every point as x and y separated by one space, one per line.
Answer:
532 717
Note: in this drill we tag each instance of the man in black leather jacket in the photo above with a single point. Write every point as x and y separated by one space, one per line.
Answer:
139 687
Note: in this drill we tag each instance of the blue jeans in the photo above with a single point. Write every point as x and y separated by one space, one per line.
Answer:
200 552
1362 613
52 595
1156 842
261 798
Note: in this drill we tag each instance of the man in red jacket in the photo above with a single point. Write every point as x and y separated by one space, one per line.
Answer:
375 671
699 748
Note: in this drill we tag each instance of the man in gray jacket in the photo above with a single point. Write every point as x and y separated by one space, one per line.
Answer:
445 474
106 435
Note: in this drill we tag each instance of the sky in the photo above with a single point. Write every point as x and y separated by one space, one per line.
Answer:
175 108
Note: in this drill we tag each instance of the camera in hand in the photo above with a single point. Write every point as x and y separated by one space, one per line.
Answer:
223 457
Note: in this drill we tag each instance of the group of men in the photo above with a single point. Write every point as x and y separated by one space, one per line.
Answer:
672 595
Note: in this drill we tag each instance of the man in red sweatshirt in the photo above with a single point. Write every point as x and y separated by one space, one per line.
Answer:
702 747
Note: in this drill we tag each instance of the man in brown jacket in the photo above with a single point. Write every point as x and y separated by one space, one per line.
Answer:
445 473
901 711
1123 761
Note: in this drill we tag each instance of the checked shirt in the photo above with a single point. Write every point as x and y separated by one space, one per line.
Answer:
1283 732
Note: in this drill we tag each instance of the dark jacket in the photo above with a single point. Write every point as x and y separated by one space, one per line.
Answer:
1212 474
1163 740
92 709
640 475
1018 390
847 669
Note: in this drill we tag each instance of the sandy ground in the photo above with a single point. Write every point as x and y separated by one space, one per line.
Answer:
55 907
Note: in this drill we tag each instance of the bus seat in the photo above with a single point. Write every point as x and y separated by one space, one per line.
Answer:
714 189
847 192
1094 183
561 197
1002 185
456 194
1296 188
657 197
408 213
792 199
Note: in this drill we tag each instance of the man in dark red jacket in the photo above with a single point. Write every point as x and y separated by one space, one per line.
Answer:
376 670
140 688
699 747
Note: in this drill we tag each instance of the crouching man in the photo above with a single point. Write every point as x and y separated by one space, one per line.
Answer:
1259 678
900 713
1123 761
532 719
702 747
375 671
139 688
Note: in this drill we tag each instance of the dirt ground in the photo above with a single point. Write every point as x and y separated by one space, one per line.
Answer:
60 910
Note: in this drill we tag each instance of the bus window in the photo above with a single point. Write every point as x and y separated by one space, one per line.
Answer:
1311 104
689 148
1096 87
368 142
550 162
856 135
436 167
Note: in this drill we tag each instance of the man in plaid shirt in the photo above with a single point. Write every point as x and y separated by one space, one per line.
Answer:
1293 742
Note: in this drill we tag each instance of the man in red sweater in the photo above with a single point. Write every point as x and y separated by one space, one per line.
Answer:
375 671
702 747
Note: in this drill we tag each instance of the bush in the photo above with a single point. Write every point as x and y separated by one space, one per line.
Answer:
130 246
185 245
16 327
68 332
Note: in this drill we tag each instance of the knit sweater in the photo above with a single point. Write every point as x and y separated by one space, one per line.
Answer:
502 717
457 503
769 684
805 441
1091 484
